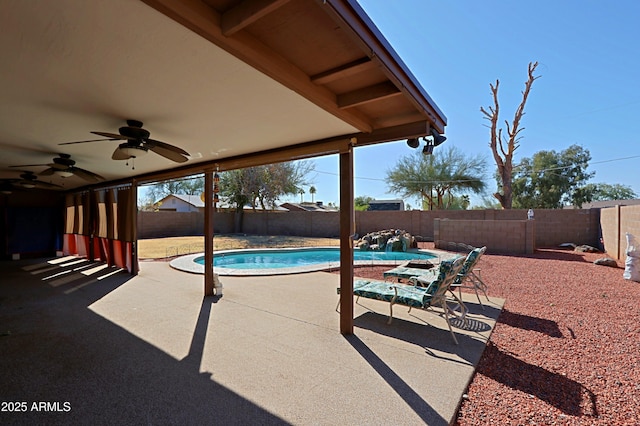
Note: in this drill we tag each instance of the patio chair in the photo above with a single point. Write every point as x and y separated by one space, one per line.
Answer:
412 268
469 276
415 296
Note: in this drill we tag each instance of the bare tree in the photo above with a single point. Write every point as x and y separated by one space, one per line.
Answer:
504 155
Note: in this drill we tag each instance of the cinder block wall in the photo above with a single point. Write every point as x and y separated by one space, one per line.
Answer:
610 224
169 224
552 226
616 222
500 236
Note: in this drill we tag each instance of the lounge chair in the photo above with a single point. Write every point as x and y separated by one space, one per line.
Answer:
415 296
411 268
468 278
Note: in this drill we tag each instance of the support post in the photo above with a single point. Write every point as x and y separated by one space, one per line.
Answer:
346 241
208 233
135 266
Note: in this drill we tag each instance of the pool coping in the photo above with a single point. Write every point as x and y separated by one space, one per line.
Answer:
187 263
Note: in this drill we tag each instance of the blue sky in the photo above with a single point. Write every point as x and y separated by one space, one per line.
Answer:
588 93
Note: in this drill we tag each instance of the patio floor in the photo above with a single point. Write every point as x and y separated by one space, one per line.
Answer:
149 349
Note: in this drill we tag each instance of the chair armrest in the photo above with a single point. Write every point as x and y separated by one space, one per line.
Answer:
419 283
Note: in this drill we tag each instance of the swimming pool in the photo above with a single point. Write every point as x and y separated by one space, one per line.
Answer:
291 260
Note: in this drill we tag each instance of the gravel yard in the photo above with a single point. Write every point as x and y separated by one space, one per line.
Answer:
566 349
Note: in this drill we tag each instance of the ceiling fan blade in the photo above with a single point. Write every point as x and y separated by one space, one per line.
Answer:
29 165
168 153
58 166
152 142
86 174
89 140
114 136
44 185
118 154
47 172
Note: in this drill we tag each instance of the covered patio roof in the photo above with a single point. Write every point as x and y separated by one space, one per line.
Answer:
222 79
233 83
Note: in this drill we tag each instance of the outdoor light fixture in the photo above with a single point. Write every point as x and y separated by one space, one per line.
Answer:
413 142
430 142
438 139
64 173
132 151
428 147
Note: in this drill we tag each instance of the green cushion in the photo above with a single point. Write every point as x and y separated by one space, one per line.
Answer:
380 290
468 264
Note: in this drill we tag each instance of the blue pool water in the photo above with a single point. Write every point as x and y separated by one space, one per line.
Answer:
291 258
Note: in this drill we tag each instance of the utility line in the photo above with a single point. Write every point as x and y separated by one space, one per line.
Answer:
430 182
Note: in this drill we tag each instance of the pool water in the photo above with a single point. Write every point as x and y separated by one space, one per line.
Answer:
291 258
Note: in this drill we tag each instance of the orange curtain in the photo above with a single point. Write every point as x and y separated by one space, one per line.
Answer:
101 225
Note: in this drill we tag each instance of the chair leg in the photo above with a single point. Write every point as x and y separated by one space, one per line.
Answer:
480 284
446 316
478 296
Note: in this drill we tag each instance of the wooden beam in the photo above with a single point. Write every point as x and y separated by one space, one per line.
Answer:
246 13
346 242
208 233
365 95
206 21
295 152
404 131
335 145
343 71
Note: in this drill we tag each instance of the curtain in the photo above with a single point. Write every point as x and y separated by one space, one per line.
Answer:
101 225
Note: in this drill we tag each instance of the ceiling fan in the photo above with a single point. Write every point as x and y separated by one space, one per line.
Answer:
28 180
65 167
137 143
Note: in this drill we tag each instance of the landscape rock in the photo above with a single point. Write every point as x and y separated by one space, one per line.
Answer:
586 249
606 261
386 240
567 245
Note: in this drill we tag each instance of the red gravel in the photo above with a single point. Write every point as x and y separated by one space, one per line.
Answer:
566 349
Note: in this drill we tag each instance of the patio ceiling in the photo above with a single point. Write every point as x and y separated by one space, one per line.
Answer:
222 79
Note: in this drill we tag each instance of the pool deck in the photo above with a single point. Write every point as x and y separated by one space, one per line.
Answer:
187 264
150 349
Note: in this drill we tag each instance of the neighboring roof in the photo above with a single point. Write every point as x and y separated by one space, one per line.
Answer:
309 207
398 201
607 203
386 205
222 79
194 200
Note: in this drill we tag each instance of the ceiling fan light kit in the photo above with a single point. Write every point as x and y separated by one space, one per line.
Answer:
63 173
131 151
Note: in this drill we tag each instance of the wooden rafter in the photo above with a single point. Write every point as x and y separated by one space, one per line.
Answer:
368 94
246 13
343 71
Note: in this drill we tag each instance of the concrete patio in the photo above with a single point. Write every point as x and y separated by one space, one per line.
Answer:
149 349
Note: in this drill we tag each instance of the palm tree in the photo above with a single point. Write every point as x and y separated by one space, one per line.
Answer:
312 191
437 178
301 191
